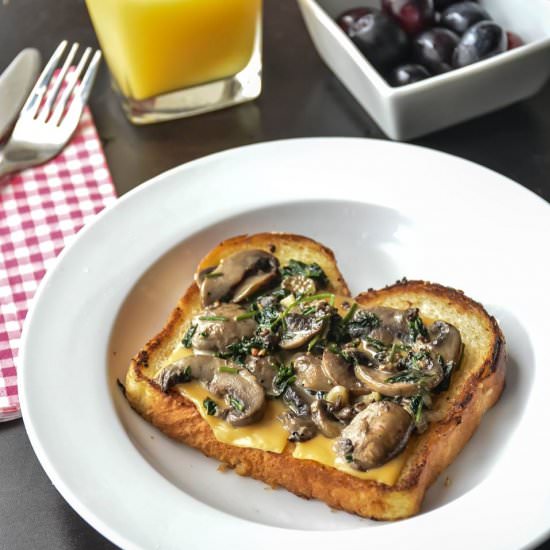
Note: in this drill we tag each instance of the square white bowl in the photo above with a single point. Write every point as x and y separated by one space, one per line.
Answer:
443 100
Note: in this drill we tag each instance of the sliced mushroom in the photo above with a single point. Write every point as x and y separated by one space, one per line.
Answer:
445 341
237 277
217 327
393 320
298 400
300 428
341 373
320 416
198 367
309 373
380 380
265 371
243 394
375 435
300 328
345 414
382 335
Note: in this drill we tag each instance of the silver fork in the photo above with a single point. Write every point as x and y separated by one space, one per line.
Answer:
45 124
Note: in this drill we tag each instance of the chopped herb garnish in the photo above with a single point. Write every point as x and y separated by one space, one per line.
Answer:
247 315
238 351
419 359
349 458
417 404
213 318
447 371
188 336
413 375
210 406
266 316
313 342
361 323
236 403
375 344
416 327
213 275
229 370
311 271
322 296
333 348
350 313
285 376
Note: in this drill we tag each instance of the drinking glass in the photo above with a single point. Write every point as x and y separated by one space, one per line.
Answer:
176 58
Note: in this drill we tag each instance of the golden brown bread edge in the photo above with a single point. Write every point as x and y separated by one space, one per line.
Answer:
472 392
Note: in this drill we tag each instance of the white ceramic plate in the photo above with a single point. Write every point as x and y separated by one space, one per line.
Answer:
388 211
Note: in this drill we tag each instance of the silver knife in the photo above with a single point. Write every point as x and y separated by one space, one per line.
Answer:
16 83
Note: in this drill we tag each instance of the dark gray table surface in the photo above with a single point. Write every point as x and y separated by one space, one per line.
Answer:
301 98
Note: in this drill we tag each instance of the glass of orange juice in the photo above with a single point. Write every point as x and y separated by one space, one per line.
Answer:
175 58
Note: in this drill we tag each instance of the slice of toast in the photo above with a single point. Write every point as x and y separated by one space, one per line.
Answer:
475 386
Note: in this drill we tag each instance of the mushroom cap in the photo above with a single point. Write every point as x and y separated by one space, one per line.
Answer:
445 341
300 328
237 276
309 373
241 388
328 427
300 428
298 400
340 373
213 336
375 435
379 380
265 371
198 367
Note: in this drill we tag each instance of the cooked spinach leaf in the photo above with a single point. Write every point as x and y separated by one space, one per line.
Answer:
447 372
188 336
285 376
416 327
362 323
417 406
238 351
210 406
312 271
236 403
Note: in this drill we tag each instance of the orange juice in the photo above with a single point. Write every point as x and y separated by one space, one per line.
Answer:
157 46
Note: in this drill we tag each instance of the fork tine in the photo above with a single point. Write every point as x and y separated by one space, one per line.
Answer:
85 86
71 83
52 94
83 90
37 93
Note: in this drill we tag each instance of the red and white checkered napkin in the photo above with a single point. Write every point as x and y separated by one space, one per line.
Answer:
41 209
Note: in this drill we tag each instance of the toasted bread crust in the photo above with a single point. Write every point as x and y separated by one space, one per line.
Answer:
475 388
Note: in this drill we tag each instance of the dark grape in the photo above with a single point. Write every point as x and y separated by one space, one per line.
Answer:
378 37
407 74
485 39
413 15
460 17
349 18
434 49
